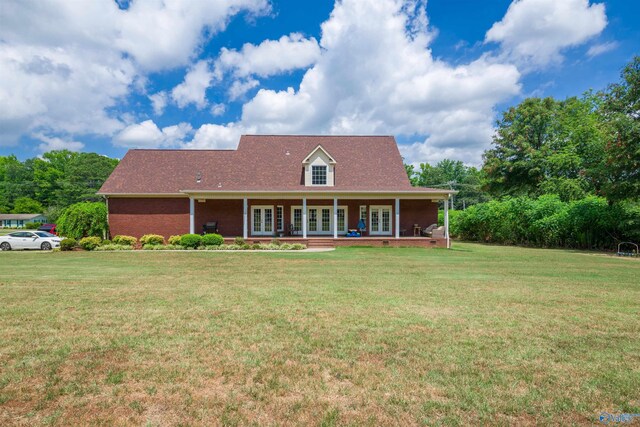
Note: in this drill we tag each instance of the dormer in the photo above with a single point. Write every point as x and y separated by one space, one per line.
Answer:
319 168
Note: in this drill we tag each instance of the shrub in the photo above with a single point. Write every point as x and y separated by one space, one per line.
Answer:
112 247
256 246
152 239
212 240
31 225
190 240
90 243
276 242
68 244
239 241
174 240
83 219
286 247
124 240
106 242
298 246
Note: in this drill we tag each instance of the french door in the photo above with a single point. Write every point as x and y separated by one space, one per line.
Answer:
320 219
262 220
380 220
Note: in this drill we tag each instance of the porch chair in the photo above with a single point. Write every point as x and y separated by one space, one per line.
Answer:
293 230
428 232
210 227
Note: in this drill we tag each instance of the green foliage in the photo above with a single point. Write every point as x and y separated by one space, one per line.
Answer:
31 225
191 240
589 223
239 241
84 219
124 240
113 247
212 240
26 205
68 244
152 239
174 240
90 243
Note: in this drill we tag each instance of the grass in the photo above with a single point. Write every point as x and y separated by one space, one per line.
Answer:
476 335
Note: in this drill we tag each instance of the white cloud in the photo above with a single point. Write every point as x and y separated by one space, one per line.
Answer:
55 143
218 109
600 48
270 57
212 136
64 66
193 89
159 102
148 135
376 75
239 88
533 33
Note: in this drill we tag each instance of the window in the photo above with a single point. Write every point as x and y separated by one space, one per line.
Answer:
297 219
313 219
363 216
341 224
279 218
318 175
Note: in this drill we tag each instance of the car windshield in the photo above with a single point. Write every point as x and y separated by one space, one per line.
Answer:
44 234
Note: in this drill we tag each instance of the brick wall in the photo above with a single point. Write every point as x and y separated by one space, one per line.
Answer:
136 217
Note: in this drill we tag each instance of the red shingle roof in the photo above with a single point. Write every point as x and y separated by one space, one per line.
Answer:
261 163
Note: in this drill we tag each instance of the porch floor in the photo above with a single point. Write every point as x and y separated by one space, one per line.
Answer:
330 242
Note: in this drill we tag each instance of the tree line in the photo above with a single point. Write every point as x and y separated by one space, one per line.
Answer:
585 151
52 182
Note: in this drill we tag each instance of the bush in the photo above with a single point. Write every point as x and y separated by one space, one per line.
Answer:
191 240
31 225
256 246
112 247
276 242
124 240
83 219
106 242
212 240
239 241
152 239
174 240
68 244
298 246
90 243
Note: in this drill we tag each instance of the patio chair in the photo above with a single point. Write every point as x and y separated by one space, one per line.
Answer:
210 227
427 232
293 230
438 232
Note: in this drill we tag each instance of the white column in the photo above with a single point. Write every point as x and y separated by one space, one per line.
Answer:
191 216
304 217
335 217
397 218
446 222
245 226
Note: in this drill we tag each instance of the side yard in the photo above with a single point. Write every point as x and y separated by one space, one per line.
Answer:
477 334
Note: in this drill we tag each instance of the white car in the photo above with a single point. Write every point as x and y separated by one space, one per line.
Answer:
29 240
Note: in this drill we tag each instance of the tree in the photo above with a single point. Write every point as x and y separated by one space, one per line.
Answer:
546 146
26 205
84 219
620 111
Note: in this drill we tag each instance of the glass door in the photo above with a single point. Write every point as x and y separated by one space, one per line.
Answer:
262 220
380 220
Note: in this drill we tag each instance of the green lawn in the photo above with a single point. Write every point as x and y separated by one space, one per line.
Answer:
475 335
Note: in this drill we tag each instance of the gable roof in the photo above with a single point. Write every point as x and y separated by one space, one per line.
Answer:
319 147
20 216
262 163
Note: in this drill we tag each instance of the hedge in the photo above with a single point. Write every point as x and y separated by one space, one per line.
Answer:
124 240
212 240
190 240
90 243
152 239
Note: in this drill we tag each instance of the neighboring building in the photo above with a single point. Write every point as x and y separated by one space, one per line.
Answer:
305 188
19 220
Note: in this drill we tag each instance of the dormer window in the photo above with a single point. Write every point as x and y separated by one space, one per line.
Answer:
319 168
318 175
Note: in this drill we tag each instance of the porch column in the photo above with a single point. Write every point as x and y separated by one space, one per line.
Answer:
245 227
335 217
304 217
446 221
397 218
191 216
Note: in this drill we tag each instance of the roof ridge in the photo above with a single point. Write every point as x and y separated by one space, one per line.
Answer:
320 136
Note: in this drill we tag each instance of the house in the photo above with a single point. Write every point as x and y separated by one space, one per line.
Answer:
19 220
309 189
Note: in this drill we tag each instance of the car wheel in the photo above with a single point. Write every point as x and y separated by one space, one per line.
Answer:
5 246
46 246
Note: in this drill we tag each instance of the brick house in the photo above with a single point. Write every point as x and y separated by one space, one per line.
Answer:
312 189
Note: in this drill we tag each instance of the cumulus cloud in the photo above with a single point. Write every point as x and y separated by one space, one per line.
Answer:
65 66
148 135
213 136
239 88
533 33
270 57
218 109
55 143
193 89
158 102
376 74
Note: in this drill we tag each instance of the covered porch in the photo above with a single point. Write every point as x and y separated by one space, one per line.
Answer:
321 219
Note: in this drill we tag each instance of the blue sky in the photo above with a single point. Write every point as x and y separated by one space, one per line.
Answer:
105 77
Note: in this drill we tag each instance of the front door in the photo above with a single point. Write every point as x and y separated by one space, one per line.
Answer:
320 220
262 220
380 220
